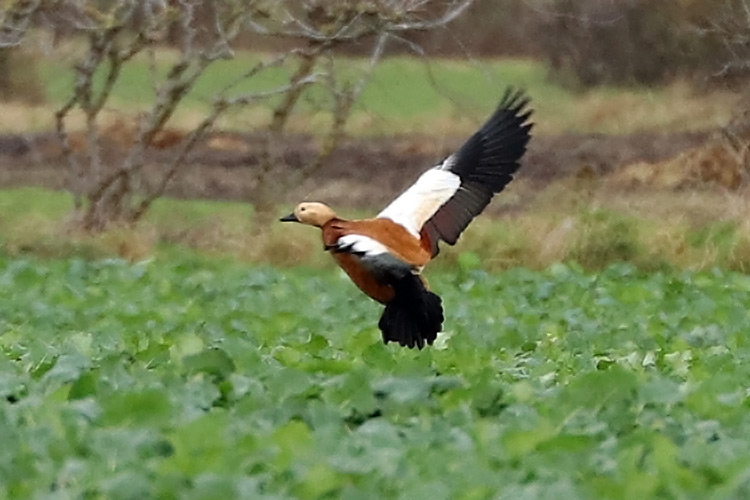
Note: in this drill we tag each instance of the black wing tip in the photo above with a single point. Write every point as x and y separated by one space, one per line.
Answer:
515 100
513 110
494 151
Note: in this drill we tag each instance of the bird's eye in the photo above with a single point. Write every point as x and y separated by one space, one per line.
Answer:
302 209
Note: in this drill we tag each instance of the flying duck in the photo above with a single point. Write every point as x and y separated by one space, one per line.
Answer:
384 256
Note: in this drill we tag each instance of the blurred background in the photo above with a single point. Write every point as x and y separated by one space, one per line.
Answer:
132 127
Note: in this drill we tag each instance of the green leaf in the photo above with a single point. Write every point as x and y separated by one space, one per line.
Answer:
146 407
213 362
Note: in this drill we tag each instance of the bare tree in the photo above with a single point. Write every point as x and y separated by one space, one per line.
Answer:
110 190
729 24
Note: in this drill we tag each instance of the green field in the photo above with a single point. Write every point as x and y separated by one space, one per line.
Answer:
405 95
184 377
221 360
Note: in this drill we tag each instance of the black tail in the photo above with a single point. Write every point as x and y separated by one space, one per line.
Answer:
414 316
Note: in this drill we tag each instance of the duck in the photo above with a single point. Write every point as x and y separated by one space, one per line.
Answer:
385 255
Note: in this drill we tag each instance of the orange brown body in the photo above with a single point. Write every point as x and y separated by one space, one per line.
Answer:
397 239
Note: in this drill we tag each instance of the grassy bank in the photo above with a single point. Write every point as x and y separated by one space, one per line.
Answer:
565 223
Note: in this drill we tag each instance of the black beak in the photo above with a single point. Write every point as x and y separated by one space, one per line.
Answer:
289 218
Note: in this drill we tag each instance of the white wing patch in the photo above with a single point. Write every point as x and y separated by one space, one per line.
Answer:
358 244
417 204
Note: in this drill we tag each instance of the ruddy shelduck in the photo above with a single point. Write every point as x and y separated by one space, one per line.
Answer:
384 256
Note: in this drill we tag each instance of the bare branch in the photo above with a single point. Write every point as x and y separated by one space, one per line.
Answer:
446 18
361 23
220 106
732 25
343 101
14 22
377 54
76 177
284 109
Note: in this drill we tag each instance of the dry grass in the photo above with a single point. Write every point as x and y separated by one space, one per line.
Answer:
593 226
673 108
18 118
719 162
597 225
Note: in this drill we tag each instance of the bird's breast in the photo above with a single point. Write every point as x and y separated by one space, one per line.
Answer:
363 278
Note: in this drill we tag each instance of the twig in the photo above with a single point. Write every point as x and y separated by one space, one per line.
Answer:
14 22
219 108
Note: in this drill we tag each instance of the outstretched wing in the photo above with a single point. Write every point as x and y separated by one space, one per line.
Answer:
445 199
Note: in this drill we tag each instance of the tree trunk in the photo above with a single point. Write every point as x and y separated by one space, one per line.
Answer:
110 208
6 89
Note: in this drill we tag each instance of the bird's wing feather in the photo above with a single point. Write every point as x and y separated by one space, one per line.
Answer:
375 257
425 197
358 244
444 200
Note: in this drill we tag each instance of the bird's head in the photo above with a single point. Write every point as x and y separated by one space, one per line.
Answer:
311 213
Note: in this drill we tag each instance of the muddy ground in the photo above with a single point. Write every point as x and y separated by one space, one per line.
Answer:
363 172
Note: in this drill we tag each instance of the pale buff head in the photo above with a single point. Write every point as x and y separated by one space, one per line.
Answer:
311 213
